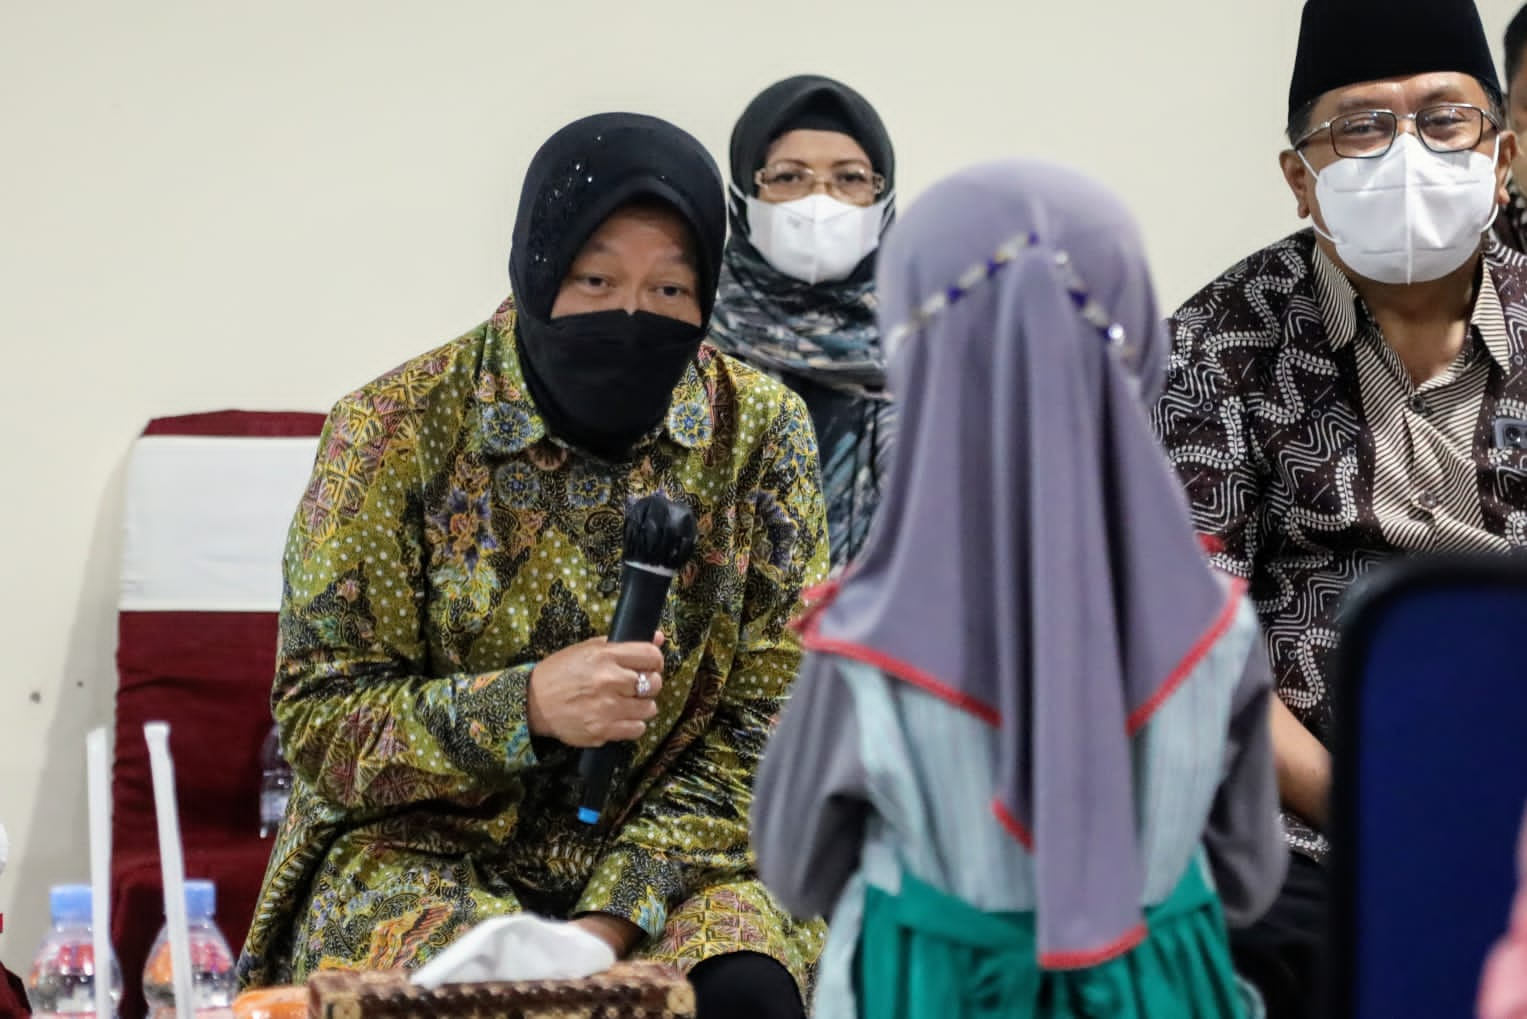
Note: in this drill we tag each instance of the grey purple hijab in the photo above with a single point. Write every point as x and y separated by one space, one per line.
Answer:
1033 561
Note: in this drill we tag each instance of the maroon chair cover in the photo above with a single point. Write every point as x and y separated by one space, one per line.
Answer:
196 653
13 996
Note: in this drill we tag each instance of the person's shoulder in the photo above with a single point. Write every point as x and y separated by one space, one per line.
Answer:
1252 294
383 417
763 425
405 391
758 396
1242 614
1508 268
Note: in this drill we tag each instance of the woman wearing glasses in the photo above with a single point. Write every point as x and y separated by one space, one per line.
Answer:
811 193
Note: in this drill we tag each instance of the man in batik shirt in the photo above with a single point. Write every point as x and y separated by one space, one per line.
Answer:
1348 394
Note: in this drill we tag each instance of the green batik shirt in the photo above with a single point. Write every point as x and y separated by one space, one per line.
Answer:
444 546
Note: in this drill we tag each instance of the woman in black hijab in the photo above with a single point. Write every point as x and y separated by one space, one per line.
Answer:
813 189
603 378
450 582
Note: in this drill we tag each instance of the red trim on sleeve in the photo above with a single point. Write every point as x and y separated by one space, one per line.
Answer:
1190 661
812 640
1016 828
815 599
1096 956
904 671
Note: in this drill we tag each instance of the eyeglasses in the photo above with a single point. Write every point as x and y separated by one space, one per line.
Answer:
1368 134
853 182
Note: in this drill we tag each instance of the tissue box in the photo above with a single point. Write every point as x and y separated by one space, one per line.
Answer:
628 990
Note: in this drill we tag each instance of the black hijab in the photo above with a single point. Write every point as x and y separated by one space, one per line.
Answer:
805 102
603 380
588 170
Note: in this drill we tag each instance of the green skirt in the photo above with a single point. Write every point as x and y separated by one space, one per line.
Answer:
927 954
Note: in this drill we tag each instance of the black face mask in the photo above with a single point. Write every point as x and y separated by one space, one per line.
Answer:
604 379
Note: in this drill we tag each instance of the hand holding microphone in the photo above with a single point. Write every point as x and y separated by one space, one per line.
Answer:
600 694
586 695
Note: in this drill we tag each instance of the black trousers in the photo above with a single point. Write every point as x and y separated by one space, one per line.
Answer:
1283 954
745 985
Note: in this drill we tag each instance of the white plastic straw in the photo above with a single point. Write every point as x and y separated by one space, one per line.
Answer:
171 862
98 784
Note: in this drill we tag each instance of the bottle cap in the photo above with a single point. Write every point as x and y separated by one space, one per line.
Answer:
201 900
70 904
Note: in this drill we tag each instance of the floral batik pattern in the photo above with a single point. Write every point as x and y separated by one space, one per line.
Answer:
445 544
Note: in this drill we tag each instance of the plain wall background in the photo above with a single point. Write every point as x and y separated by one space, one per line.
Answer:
206 205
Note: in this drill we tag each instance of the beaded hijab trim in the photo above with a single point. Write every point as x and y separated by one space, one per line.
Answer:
1090 310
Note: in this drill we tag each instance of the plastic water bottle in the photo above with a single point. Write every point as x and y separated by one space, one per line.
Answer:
62 981
276 786
213 981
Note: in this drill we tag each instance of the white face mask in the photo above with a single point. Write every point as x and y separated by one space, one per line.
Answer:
816 238
1411 215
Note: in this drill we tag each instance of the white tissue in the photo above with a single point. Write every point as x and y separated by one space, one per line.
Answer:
5 848
518 947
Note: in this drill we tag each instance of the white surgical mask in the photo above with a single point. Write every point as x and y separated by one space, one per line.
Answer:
816 238
1411 215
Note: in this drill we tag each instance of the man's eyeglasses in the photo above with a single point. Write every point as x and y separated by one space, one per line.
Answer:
853 182
1368 134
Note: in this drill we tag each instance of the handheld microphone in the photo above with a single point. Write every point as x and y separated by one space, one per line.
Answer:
660 537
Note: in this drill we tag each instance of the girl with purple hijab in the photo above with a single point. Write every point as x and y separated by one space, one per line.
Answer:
1026 768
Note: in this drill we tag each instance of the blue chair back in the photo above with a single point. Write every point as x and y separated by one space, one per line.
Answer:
1430 784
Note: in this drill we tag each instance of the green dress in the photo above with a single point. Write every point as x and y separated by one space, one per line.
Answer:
924 952
445 544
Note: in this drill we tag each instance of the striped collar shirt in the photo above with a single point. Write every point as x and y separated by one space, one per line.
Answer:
1425 490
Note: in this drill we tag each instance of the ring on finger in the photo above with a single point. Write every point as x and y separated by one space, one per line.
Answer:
643 685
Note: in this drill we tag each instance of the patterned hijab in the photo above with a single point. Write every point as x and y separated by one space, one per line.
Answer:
826 334
1033 561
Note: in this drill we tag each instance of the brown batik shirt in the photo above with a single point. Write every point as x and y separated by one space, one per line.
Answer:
1309 456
